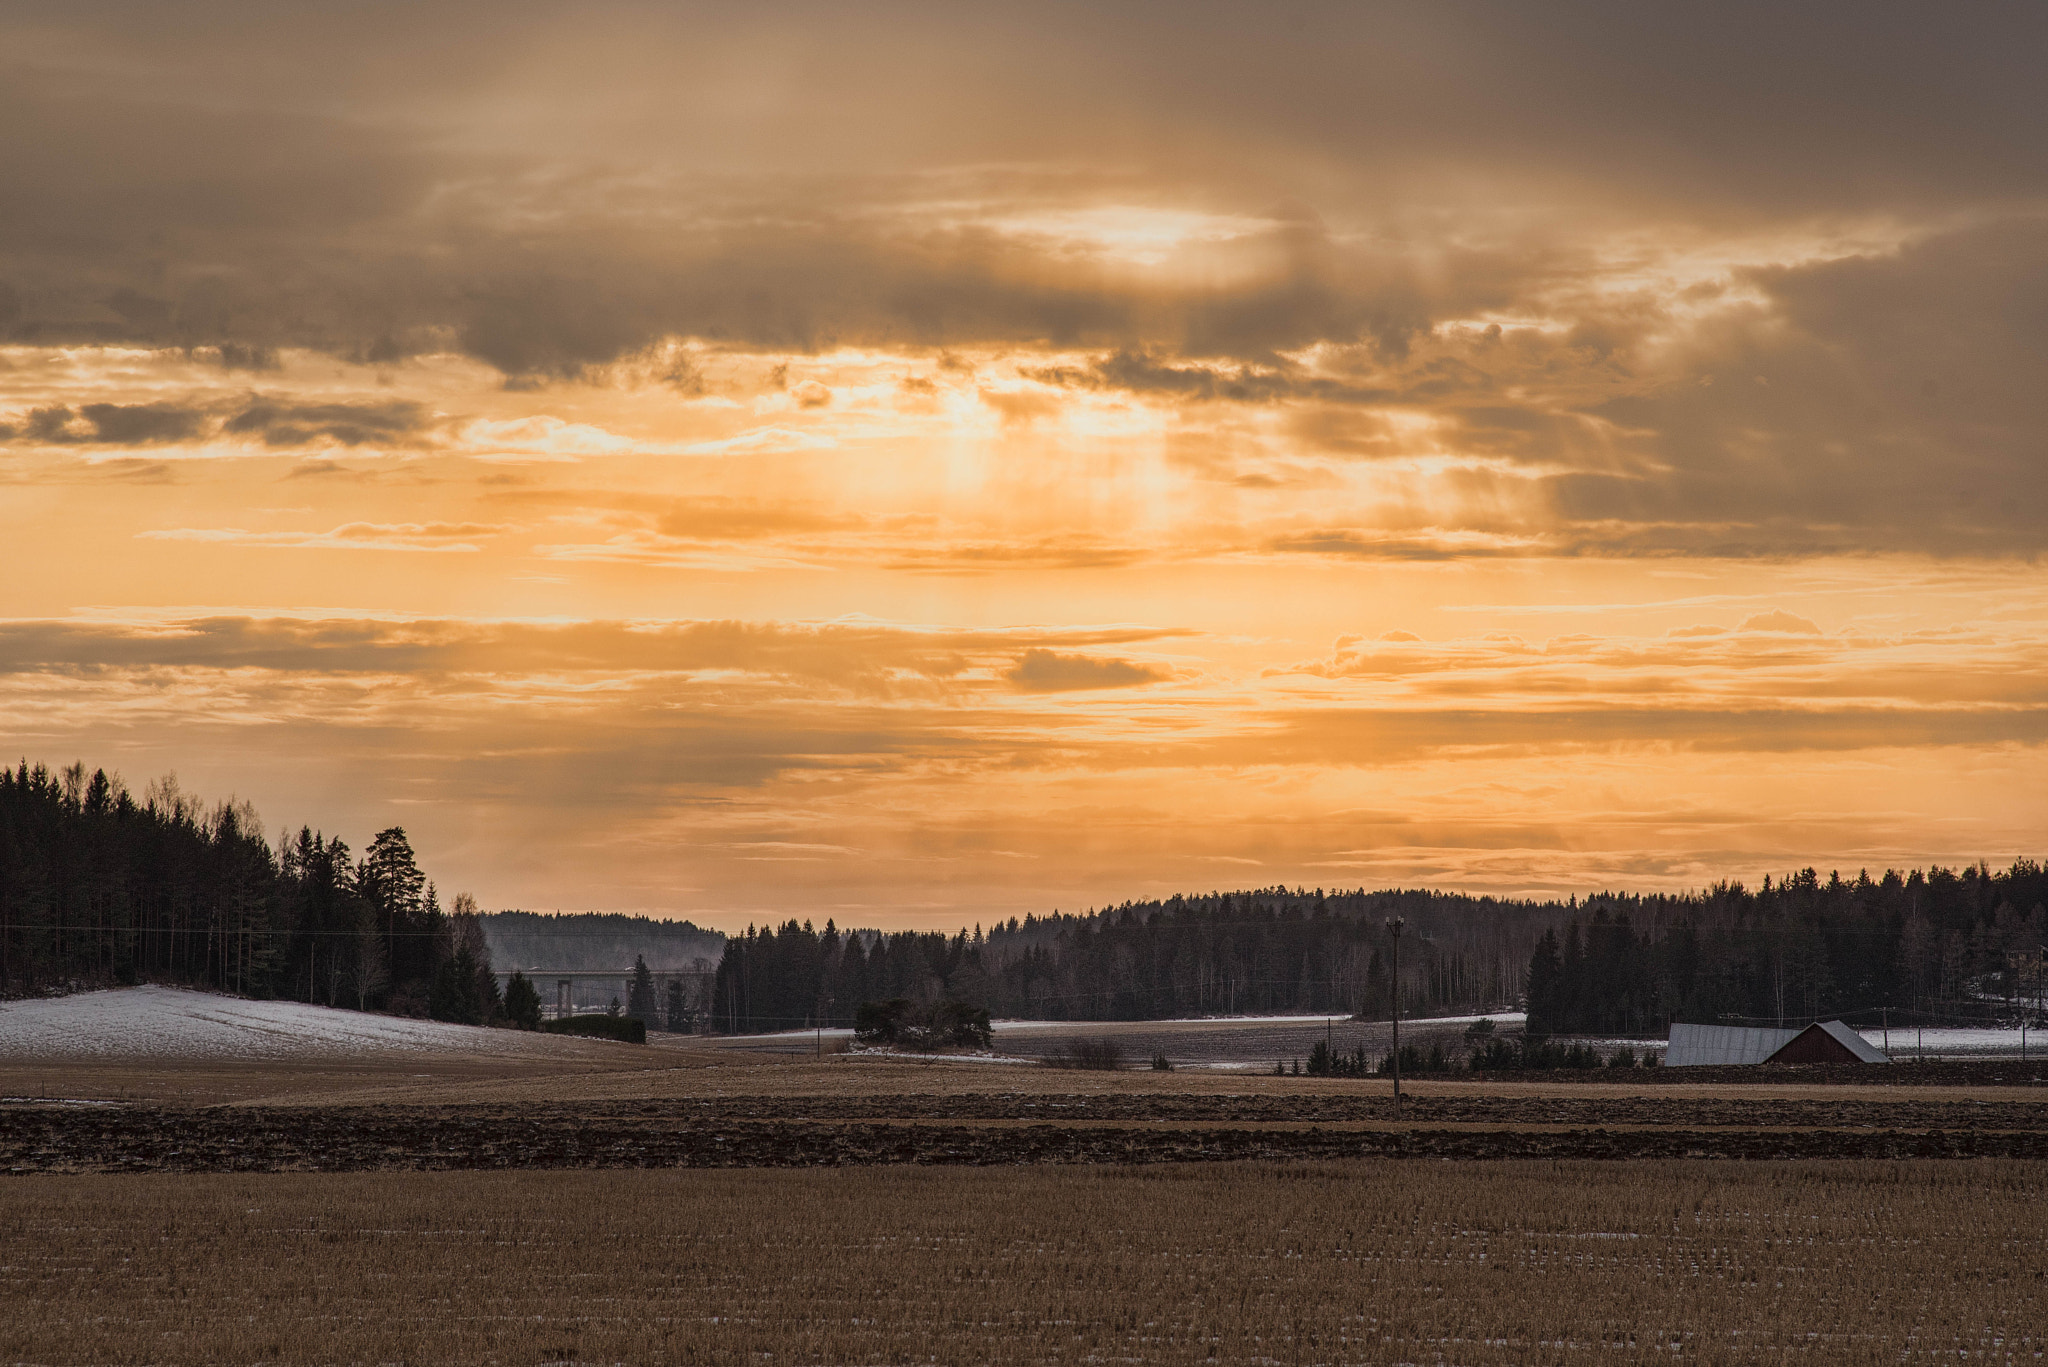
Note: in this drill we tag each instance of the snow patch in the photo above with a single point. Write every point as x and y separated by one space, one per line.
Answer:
177 1023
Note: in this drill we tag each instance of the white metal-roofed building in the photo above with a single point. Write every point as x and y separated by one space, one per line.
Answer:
1821 1042
1699 1045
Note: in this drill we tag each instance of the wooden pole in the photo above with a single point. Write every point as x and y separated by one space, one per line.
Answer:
1394 924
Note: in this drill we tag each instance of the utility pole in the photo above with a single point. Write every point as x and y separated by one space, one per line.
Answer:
2026 1009
1394 924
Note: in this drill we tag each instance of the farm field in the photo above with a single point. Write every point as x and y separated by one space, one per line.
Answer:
1227 1043
1312 1263
703 1107
985 1129
193 1094
441 1196
1254 1043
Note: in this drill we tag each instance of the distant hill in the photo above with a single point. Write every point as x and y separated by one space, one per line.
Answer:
595 940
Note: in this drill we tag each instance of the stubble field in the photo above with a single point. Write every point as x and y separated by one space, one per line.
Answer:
693 1202
1358 1262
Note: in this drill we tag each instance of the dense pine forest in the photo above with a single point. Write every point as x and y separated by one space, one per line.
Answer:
1942 946
1935 946
98 887
1271 951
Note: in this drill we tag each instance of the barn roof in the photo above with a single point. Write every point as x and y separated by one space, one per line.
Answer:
1724 1044
1700 1045
1863 1050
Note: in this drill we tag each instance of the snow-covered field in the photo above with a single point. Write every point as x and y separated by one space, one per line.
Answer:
170 1023
1225 1042
1958 1043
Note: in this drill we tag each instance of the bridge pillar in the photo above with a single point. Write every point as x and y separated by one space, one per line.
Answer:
564 1001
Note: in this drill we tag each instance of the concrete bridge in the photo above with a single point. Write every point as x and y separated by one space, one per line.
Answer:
609 983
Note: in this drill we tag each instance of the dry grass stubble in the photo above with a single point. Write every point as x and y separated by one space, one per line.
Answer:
1327 1263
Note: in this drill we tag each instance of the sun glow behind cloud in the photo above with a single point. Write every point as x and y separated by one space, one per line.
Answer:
929 491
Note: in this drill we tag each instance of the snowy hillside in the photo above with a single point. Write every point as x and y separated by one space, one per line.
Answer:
174 1023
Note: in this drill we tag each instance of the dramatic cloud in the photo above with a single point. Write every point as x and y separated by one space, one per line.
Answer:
1441 441
109 424
348 424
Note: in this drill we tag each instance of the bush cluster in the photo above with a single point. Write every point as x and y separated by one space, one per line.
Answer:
600 1026
906 1025
1488 1055
1100 1055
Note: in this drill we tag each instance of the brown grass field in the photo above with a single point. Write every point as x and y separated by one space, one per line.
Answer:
1250 1263
689 1203
696 1105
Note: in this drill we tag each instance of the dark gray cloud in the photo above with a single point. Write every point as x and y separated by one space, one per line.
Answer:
1140 372
109 424
862 657
1891 401
428 175
279 422
1046 671
274 422
246 178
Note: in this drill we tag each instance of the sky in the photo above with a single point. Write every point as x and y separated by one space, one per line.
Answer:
917 464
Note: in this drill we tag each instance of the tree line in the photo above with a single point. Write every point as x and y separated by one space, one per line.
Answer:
98 887
1265 951
1934 945
597 940
1931 944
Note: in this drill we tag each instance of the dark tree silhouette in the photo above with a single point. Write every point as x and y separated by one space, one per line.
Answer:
640 1002
98 888
522 1003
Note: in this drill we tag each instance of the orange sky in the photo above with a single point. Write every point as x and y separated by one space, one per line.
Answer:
917 466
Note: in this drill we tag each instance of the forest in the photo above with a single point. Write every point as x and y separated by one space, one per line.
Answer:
1936 946
1264 952
597 940
1940 946
98 887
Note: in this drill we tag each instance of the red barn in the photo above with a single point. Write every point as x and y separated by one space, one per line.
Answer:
1828 1042
1821 1042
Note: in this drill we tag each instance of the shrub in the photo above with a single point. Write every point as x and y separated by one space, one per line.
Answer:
1161 1064
607 1026
1100 1055
1415 1063
1536 1055
1624 1057
1323 1062
900 1021
958 1025
1497 1056
879 1022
